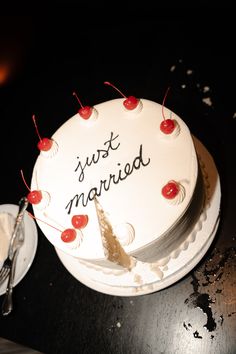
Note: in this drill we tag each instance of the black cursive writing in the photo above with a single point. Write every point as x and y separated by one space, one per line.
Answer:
100 153
105 184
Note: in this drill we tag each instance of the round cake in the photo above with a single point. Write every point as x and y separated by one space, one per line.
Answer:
119 183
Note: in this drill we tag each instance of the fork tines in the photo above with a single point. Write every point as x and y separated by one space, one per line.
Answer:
4 273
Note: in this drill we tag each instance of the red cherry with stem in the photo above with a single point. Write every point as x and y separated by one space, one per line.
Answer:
85 111
34 197
68 235
44 144
170 190
79 221
130 102
167 126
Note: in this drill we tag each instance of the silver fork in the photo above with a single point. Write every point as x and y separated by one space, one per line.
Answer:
7 304
23 203
5 270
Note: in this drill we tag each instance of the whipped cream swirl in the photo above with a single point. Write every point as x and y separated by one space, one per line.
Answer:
125 233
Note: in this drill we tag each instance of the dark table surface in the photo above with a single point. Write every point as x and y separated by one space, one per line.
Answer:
43 59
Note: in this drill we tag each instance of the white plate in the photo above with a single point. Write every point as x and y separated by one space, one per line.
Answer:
142 280
28 249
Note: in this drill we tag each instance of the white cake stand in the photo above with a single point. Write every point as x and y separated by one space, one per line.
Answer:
141 280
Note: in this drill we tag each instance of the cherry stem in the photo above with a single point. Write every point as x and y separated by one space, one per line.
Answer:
74 94
164 99
22 175
36 127
109 84
33 217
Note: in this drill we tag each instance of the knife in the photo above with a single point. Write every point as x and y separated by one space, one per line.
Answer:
23 203
15 244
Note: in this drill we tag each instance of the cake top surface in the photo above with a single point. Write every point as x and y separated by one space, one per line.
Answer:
123 159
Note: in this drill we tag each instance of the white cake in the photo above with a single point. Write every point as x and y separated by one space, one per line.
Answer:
112 168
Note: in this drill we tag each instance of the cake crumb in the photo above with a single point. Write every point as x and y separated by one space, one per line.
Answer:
138 279
196 335
206 89
207 101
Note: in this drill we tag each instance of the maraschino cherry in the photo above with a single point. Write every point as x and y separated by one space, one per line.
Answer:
167 126
34 197
79 221
44 144
130 102
68 235
85 111
170 190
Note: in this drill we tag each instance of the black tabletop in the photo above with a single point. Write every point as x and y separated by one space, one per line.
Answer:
43 59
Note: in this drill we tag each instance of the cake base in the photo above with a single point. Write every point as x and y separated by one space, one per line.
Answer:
147 278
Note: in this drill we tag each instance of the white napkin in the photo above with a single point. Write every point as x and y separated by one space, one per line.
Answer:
6 228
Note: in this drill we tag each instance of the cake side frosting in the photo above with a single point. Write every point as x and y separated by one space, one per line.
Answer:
125 161
145 274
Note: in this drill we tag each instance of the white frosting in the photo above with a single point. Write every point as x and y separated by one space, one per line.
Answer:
137 161
125 233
